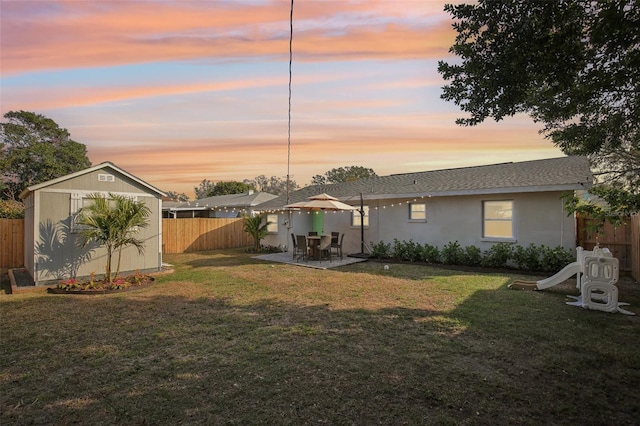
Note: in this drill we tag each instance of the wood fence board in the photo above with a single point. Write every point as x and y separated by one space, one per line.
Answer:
201 234
11 243
617 240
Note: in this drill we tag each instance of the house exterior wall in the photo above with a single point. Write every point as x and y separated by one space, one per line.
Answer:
57 253
538 218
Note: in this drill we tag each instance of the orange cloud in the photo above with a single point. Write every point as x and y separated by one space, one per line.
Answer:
93 34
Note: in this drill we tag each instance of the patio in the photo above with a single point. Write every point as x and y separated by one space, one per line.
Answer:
286 257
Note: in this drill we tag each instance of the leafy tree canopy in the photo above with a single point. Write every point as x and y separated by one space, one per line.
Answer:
273 185
343 174
572 65
35 149
177 196
209 189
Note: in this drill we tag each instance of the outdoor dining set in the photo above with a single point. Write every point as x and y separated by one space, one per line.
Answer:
317 247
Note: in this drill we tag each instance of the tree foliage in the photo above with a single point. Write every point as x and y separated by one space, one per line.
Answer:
343 174
273 185
11 209
572 65
35 149
177 196
256 226
210 189
113 221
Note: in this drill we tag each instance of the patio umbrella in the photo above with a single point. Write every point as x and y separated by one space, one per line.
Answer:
319 203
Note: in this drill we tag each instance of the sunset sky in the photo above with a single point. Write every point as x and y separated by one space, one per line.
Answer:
177 92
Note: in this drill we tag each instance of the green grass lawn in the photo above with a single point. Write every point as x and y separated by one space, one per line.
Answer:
228 339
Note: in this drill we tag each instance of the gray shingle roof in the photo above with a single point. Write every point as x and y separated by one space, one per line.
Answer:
555 174
223 201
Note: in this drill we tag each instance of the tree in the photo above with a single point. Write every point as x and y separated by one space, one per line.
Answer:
229 187
113 222
11 209
572 65
35 149
177 196
273 185
203 189
343 174
256 226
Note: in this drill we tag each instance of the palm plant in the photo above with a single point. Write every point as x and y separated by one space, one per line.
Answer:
113 222
256 226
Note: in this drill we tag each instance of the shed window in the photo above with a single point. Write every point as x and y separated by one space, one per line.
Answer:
498 219
357 219
417 211
272 223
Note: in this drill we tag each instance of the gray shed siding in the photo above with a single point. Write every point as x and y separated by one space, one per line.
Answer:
56 248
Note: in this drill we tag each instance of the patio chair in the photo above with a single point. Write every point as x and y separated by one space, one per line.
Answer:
334 239
337 245
301 249
325 248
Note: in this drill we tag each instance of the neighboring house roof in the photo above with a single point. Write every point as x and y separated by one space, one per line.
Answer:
246 199
555 174
105 165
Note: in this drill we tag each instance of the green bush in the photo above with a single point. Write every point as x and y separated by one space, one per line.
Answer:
497 256
430 254
380 250
531 258
554 259
527 259
452 254
471 256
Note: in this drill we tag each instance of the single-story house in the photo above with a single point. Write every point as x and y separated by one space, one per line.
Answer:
52 249
223 206
517 203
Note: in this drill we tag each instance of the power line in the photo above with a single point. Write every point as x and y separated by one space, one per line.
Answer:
289 120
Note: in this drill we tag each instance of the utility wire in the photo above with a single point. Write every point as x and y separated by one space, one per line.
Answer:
289 121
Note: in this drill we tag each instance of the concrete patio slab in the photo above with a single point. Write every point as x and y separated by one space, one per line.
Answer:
325 264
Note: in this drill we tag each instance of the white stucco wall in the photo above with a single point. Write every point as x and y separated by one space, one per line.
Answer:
538 218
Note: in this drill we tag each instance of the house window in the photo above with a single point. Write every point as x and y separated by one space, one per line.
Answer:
272 223
497 219
417 211
357 219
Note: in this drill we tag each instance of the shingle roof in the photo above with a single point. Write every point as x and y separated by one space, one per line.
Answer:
555 174
223 201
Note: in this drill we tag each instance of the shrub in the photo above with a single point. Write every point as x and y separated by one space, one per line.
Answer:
527 259
452 254
405 250
471 256
380 250
554 259
497 256
430 254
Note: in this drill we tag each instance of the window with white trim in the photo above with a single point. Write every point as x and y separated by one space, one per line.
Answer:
357 219
272 223
417 211
497 221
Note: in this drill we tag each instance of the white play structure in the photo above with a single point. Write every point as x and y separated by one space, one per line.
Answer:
597 273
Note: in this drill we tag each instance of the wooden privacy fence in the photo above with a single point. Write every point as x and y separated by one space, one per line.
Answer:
200 234
11 243
618 240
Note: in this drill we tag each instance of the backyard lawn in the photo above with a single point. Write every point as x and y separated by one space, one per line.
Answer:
228 339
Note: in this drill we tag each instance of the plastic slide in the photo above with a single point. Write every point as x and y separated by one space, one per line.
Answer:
563 275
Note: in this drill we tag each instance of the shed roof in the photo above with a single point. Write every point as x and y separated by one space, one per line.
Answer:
104 165
554 174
